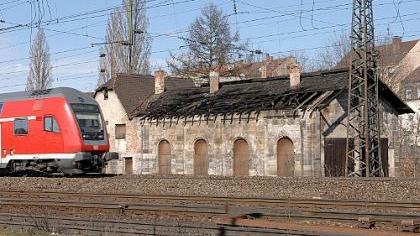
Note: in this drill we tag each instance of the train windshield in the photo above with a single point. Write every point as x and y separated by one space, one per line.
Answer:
89 120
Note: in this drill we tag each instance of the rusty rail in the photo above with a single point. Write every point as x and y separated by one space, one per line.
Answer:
220 207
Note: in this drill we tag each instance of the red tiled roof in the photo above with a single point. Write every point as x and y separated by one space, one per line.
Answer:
414 76
389 54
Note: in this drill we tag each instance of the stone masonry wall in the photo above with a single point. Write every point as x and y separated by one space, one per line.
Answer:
142 140
261 135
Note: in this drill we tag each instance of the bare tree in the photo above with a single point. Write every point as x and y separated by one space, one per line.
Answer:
39 77
335 53
118 41
303 60
211 46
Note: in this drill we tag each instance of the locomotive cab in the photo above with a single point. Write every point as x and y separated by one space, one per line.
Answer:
94 155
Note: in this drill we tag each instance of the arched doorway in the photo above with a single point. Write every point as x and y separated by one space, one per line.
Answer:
201 162
285 157
164 153
240 158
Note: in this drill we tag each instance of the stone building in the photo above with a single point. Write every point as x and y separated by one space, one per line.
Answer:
290 125
118 99
409 125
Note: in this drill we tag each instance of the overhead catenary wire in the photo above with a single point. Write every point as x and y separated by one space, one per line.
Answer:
297 34
81 16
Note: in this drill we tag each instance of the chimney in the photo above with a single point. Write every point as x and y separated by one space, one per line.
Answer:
396 44
159 81
214 81
294 74
263 70
268 58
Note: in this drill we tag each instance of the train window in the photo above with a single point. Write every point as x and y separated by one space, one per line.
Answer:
50 124
21 126
120 131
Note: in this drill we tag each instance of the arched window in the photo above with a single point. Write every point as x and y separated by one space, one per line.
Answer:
164 153
240 158
285 157
201 162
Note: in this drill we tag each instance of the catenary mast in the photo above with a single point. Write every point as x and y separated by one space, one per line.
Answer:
363 157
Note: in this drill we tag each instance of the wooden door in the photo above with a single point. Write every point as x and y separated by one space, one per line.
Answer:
164 157
285 157
128 165
335 156
200 157
240 158
384 155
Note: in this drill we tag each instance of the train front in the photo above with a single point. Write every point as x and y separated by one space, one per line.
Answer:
94 140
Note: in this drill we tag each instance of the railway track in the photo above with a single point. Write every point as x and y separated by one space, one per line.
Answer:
90 226
217 209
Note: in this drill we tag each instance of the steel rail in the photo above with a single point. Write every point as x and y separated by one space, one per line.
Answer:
338 210
320 201
129 227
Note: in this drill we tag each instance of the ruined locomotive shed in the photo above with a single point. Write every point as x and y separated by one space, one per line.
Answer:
282 126
244 97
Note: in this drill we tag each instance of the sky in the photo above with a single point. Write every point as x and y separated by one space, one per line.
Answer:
276 27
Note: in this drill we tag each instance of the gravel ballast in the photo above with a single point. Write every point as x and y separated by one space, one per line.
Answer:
381 189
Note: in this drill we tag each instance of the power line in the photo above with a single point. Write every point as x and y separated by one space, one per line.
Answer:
54 35
76 17
57 80
56 66
55 53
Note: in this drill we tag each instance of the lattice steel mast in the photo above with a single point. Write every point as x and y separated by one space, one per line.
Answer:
363 123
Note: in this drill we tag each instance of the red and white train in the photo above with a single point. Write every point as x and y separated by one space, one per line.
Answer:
54 131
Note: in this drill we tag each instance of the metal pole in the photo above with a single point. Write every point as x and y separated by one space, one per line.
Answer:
130 35
363 114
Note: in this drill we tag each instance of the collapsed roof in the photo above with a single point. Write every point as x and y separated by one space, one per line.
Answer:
316 91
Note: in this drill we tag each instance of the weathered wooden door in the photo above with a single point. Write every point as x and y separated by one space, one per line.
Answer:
164 158
128 165
335 156
201 157
285 157
384 155
240 158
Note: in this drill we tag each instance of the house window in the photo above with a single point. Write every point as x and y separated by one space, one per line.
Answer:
50 124
20 126
408 94
119 131
105 94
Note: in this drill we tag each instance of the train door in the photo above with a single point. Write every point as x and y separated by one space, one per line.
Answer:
1 150
51 137
3 162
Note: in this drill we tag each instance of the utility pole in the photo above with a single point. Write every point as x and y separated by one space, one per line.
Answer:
363 152
130 36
